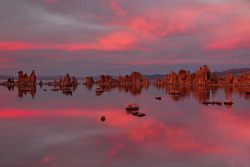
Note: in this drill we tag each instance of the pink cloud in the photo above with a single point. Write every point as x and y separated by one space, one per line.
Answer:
118 11
111 42
228 44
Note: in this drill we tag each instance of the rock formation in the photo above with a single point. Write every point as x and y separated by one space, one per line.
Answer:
171 78
67 81
89 81
25 79
202 76
133 108
229 79
214 79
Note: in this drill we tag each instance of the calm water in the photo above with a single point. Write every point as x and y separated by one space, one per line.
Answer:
46 128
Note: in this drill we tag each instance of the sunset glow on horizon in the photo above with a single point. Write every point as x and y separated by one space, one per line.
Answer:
118 37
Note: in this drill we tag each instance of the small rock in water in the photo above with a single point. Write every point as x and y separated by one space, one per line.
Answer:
132 106
141 115
44 89
206 102
158 98
212 102
218 102
103 118
228 101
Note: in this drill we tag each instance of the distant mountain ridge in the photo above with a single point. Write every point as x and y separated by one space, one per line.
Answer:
235 72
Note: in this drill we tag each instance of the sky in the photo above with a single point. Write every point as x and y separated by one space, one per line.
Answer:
92 37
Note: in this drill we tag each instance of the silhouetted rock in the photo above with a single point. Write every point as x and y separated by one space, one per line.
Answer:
158 98
140 114
10 82
41 83
103 118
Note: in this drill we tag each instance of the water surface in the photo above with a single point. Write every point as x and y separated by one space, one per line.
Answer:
47 128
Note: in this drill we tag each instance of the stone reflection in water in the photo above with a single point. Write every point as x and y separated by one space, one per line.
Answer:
201 93
26 89
9 87
134 89
89 86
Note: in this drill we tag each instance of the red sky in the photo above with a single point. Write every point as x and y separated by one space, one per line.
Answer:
85 37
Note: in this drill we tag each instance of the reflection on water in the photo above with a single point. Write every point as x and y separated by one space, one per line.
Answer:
57 130
201 93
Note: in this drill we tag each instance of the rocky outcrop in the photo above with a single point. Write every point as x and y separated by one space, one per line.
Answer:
9 82
106 79
133 78
25 79
133 108
202 76
67 81
89 81
136 77
171 78
228 101
182 76
229 78
214 79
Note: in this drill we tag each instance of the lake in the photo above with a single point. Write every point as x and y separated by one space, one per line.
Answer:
48 128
